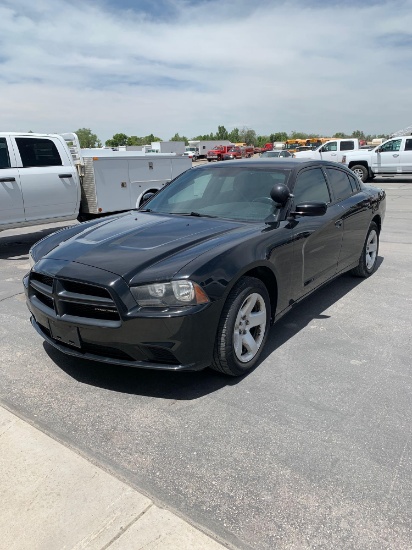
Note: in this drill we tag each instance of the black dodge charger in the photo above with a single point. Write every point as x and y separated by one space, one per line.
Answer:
196 276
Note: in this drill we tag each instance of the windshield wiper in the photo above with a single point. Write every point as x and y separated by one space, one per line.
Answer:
195 214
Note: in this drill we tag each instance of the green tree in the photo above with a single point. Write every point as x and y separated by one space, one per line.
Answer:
247 135
134 140
358 134
278 136
87 138
148 139
177 137
234 136
117 140
340 135
222 133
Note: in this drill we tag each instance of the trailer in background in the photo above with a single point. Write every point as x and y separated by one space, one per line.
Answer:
206 145
177 147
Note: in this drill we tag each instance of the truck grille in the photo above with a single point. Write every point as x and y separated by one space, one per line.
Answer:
72 298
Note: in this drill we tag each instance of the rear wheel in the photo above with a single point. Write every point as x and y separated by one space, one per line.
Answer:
243 328
369 257
361 171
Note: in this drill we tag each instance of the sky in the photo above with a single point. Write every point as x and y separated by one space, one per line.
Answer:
187 67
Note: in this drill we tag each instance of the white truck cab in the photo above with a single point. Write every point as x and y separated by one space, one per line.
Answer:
38 180
332 150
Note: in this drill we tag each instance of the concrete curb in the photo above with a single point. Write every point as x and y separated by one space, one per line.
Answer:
52 498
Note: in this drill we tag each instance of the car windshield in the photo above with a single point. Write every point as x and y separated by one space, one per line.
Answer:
236 193
271 154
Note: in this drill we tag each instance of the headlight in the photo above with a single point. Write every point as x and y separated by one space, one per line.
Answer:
174 293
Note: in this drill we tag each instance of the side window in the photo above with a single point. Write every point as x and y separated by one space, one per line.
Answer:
332 146
347 145
4 154
38 152
339 182
311 186
408 145
393 145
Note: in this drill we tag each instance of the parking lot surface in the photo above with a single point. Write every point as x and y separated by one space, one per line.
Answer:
310 450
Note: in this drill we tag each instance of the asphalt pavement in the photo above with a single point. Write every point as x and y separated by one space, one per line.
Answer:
310 450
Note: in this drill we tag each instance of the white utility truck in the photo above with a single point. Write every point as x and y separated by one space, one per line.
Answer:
47 178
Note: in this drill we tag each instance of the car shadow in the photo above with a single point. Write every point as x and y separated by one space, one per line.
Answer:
311 308
19 244
193 385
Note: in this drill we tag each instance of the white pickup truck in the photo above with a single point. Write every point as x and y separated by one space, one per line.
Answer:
48 178
333 150
394 156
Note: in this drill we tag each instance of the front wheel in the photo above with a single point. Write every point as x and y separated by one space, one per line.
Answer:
243 328
369 257
361 171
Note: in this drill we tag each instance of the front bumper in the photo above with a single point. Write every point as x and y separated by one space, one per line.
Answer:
174 340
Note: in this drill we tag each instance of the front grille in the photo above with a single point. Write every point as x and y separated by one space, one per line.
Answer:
45 279
46 300
73 298
82 288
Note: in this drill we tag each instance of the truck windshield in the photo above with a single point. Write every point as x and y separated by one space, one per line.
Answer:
235 193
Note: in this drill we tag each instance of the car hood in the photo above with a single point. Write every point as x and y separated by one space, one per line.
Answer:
146 242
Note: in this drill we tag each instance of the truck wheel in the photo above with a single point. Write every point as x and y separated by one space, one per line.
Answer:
209 160
369 256
243 328
361 171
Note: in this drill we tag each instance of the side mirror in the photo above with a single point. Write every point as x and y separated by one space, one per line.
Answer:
310 209
280 193
322 150
147 196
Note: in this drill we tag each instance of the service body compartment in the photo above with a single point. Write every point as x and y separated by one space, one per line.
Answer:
116 181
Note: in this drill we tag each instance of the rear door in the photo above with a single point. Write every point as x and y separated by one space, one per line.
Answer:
48 178
11 200
347 194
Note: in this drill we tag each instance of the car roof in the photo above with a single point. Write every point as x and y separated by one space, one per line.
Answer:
279 162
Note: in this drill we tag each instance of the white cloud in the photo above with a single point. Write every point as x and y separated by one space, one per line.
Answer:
280 66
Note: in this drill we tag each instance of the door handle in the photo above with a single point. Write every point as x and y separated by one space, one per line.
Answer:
397 155
65 176
7 179
338 223
333 154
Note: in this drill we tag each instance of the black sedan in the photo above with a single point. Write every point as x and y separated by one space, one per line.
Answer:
197 275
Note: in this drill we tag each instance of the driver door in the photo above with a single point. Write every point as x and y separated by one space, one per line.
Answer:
317 239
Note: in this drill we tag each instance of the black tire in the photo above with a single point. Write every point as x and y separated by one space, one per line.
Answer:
231 354
369 258
209 160
361 171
